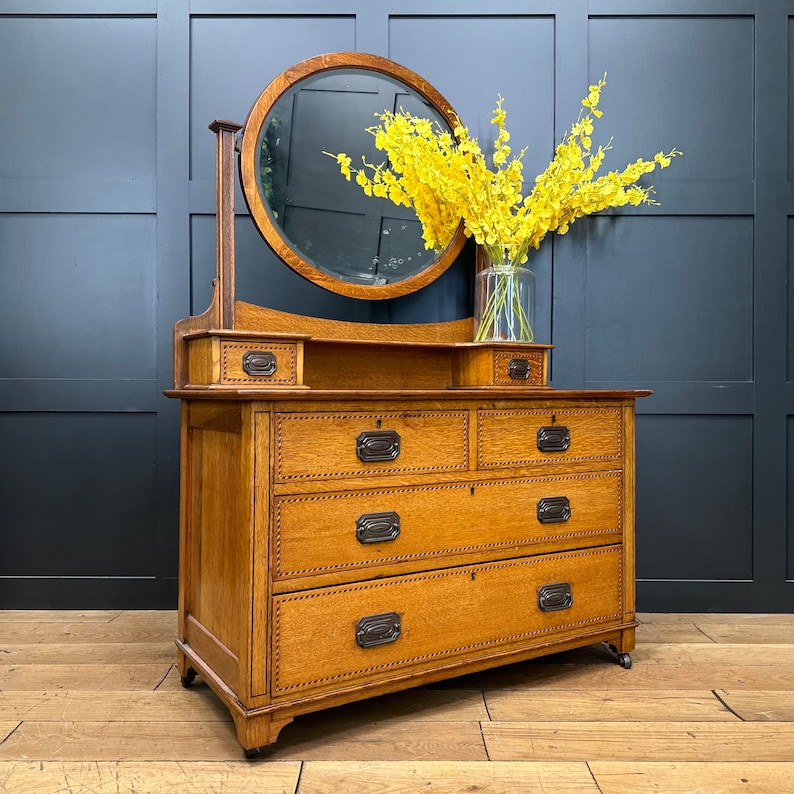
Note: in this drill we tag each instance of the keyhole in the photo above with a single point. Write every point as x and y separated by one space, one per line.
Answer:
379 424
553 418
472 490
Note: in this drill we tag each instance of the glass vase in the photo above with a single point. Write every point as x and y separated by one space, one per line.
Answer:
504 302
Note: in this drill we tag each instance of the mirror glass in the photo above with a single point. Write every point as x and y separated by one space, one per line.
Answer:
322 225
326 219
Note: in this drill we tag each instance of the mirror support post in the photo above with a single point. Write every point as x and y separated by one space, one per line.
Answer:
224 285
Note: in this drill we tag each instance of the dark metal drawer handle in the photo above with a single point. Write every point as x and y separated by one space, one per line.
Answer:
518 368
377 527
553 597
374 445
375 630
259 362
553 438
553 509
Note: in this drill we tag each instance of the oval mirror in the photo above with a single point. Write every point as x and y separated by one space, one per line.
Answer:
316 221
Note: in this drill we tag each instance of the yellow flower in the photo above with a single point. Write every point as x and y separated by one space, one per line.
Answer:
447 180
344 165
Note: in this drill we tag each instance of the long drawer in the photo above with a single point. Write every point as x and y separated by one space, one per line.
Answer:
508 438
332 532
346 444
333 638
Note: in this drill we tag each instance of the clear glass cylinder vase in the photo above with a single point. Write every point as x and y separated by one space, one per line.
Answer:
504 303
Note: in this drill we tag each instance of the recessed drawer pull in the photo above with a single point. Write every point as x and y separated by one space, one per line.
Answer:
553 438
518 368
554 597
377 527
553 509
375 630
259 362
375 445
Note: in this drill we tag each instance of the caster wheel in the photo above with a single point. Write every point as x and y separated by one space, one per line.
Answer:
188 678
254 752
623 659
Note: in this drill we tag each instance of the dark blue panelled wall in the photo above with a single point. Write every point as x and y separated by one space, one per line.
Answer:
107 238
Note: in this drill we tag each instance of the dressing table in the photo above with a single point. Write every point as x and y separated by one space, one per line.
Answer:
371 507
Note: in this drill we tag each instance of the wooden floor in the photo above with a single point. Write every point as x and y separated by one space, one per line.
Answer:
90 702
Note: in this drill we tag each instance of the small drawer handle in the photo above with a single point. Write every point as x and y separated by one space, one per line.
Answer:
518 368
553 438
554 509
375 445
375 630
554 597
377 527
259 362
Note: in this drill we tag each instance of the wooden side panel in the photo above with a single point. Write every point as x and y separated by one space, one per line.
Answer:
218 520
202 361
629 537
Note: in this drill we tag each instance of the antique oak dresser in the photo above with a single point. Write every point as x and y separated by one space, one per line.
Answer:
366 507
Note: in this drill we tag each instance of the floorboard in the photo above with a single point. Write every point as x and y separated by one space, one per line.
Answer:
90 701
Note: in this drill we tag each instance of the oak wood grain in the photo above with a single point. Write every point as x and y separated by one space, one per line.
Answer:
313 738
129 706
752 705
718 618
516 705
146 629
615 777
647 741
81 653
115 777
444 777
102 740
97 676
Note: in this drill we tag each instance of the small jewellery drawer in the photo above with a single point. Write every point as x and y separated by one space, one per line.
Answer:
335 445
334 532
568 435
500 364
338 637
265 364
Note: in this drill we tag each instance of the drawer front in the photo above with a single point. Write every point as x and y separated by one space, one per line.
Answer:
334 638
322 533
517 368
259 364
335 445
569 435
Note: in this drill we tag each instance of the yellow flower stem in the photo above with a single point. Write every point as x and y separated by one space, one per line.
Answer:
504 305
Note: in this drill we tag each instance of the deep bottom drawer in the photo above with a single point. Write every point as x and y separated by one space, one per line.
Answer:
335 637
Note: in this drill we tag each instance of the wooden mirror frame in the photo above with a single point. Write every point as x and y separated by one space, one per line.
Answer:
261 215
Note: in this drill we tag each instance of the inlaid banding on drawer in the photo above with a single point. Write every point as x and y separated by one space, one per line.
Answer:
464 612
328 445
514 438
258 363
317 533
